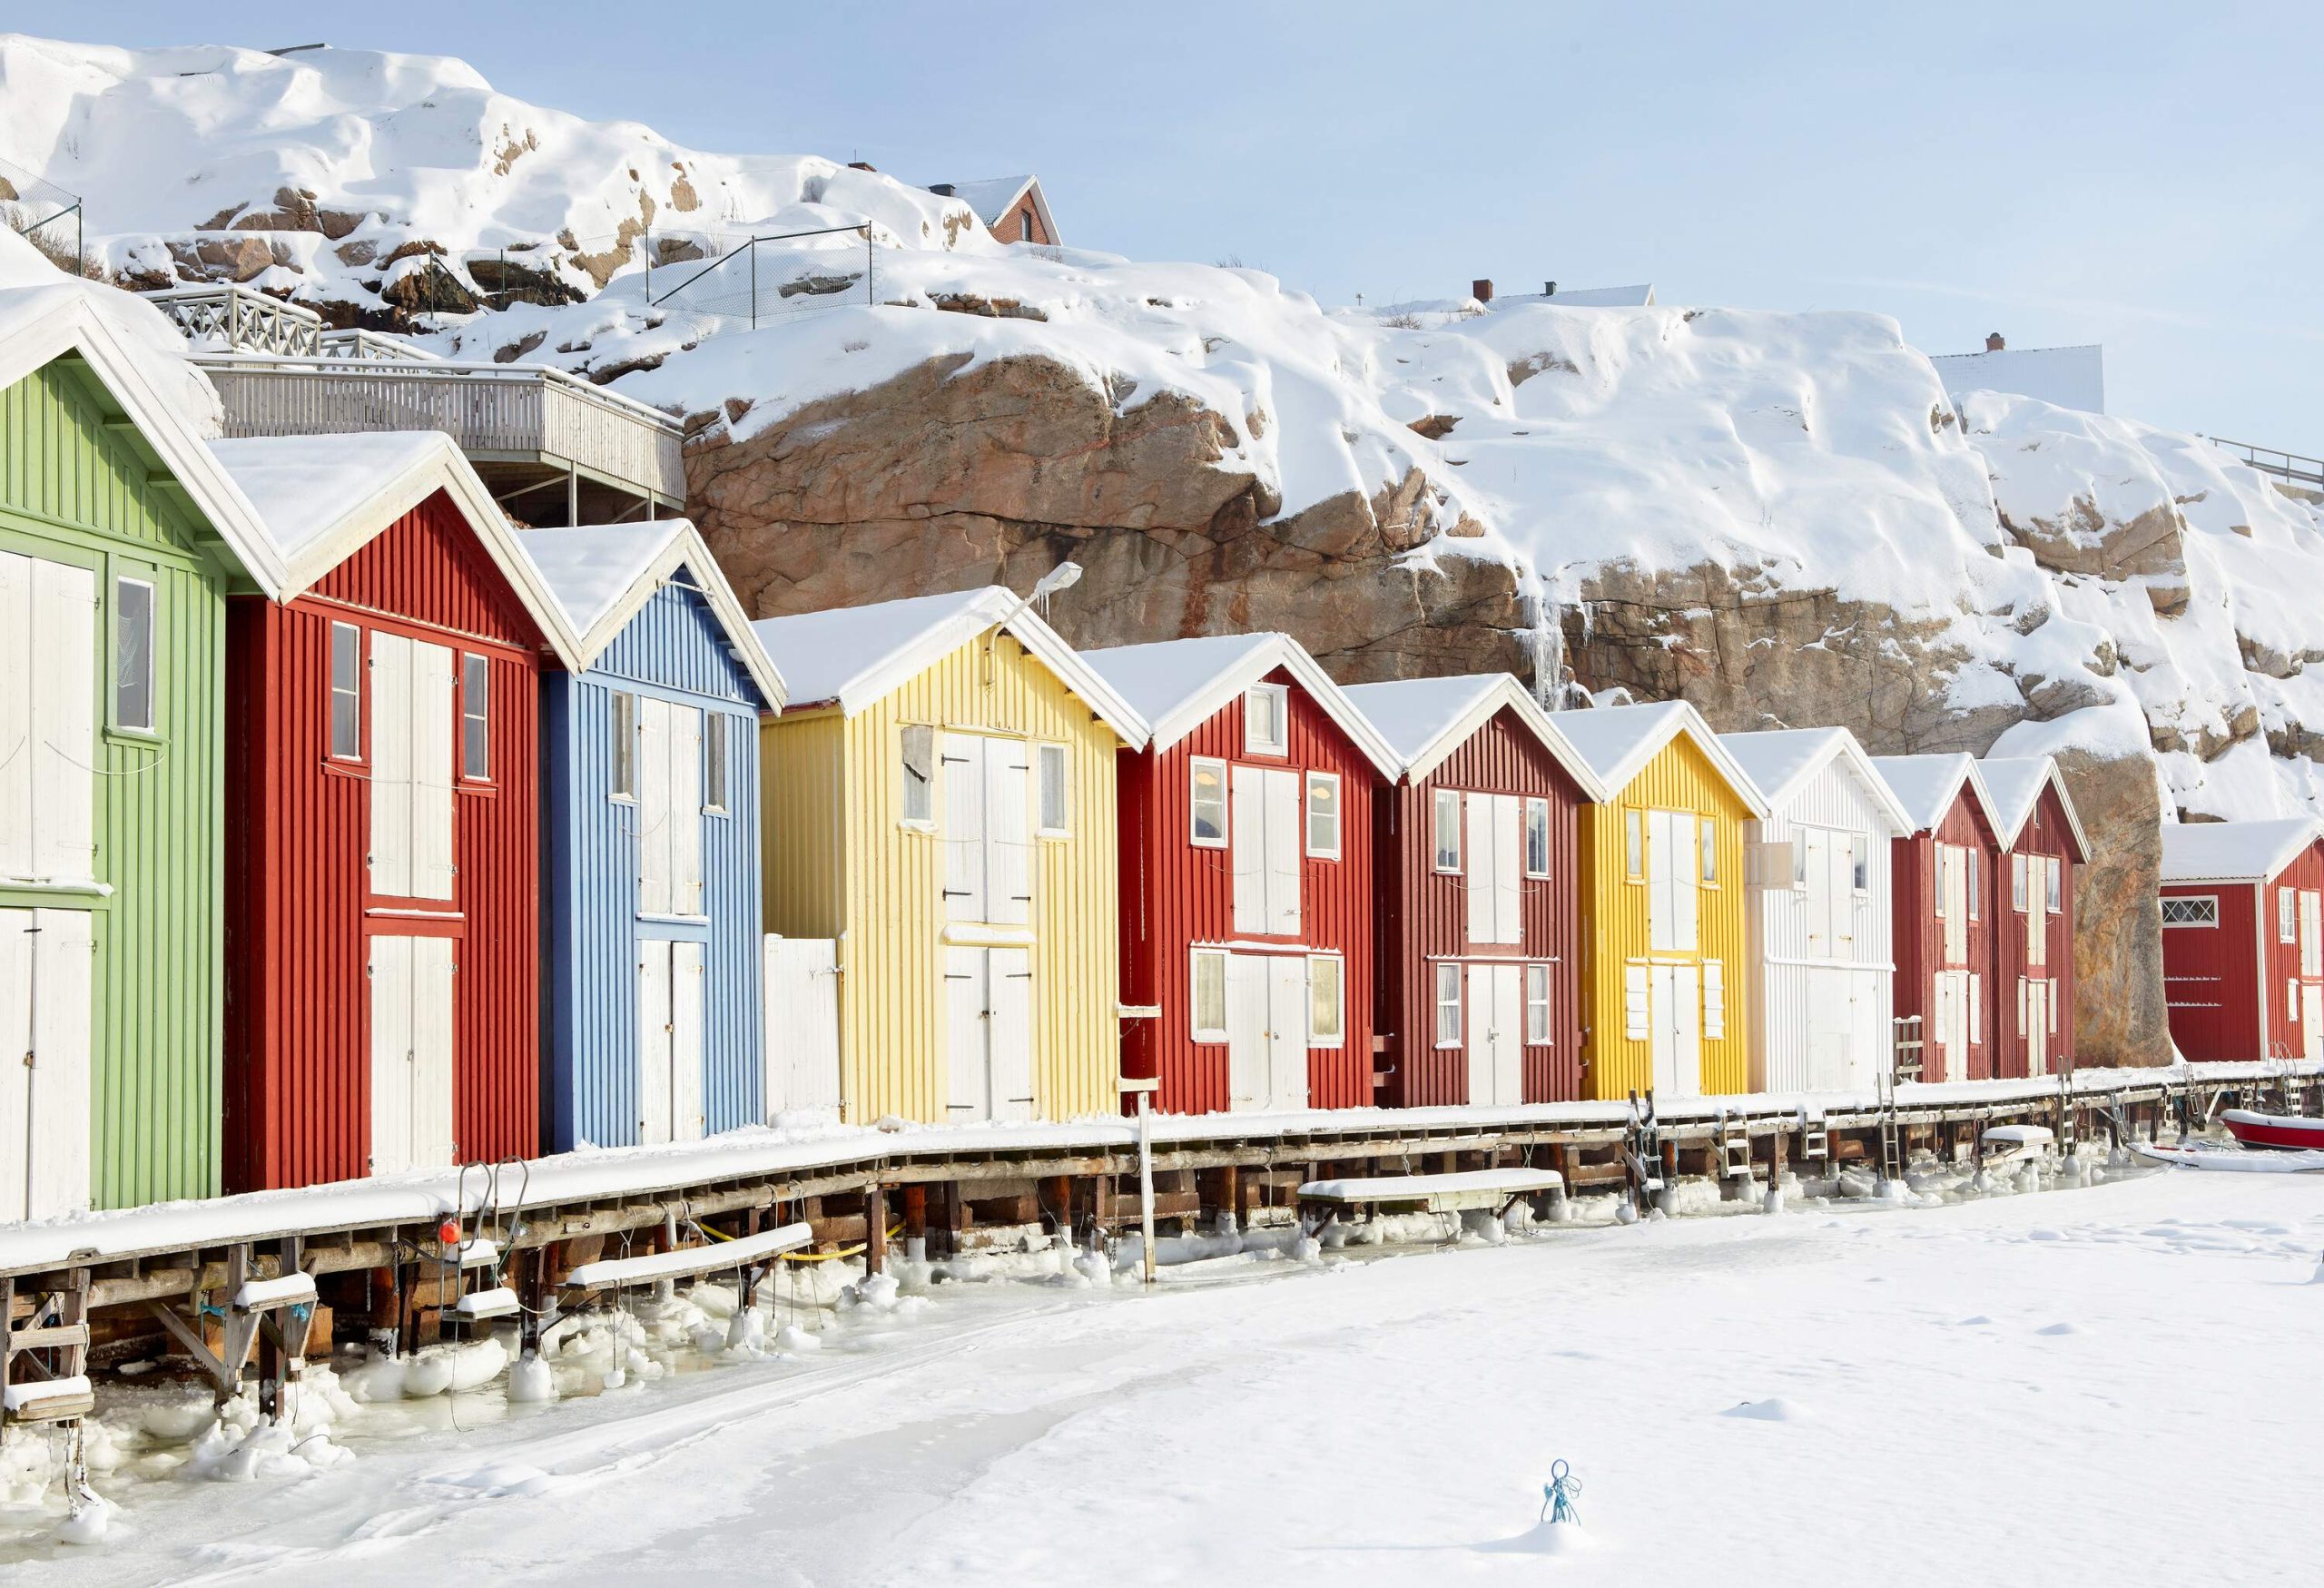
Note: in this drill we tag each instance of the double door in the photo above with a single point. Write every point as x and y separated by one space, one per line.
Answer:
45 963
411 998
1266 1031
1675 1009
1848 1050
1496 996
669 999
669 808
1263 831
2041 1002
988 1057
987 785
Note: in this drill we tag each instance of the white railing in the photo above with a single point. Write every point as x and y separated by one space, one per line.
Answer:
224 318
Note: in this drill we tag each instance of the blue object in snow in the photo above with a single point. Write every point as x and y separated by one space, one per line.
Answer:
1557 1495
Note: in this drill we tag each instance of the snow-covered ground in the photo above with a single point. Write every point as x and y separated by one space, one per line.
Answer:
2101 1386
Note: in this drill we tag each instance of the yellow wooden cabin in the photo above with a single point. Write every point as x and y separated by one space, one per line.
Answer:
1664 979
940 807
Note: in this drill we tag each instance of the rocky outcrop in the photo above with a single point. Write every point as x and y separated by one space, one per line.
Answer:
2119 1014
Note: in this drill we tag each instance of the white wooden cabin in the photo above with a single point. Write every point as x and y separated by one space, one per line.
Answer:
1818 931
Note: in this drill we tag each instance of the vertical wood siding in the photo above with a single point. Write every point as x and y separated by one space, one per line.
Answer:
298 1027
2046 833
1614 925
2287 1038
71 491
835 790
675 649
1184 896
1917 939
2213 975
1784 989
1423 918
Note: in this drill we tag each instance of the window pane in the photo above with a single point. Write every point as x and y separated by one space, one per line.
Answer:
1053 815
2017 882
1976 885
1537 1003
714 744
345 690
1448 830
1210 992
2052 869
624 745
1209 802
1263 711
1448 1006
1323 1014
919 774
1711 850
132 625
1633 845
1537 838
475 716
1322 815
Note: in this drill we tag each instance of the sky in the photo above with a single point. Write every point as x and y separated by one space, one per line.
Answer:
2146 177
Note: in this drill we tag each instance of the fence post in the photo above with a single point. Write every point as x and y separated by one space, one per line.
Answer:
754 246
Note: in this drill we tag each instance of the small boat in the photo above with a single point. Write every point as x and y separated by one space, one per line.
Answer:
2282 1132
2234 1159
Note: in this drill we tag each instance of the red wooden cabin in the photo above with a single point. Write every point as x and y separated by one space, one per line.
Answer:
1246 880
1476 990
2243 938
383 942
2033 951
1943 877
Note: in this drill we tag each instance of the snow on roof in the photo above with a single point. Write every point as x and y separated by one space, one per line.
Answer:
2235 851
1177 684
1925 785
990 197
850 657
305 487
1782 760
2065 376
1640 296
2016 783
603 574
1617 741
1424 720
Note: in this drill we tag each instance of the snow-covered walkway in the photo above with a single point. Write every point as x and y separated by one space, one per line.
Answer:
2110 1385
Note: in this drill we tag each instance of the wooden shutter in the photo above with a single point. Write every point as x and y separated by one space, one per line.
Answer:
1008 822
960 827
966 1060
687 995
654 1100
1009 991
1508 869
391 1054
654 824
1248 847
1686 879
1713 1001
435 722
64 721
685 812
1816 843
1477 872
1284 850
1637 1013
16 756
392 770
53 1077
16 940
433 1000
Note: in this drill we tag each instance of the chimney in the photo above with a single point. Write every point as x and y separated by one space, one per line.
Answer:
864 165
1482 290
1549 289
1994 343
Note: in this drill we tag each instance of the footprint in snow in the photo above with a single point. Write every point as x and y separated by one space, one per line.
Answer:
1776 1409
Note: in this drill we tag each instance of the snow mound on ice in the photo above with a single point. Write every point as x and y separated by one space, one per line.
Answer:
2060 1328
1773 1410
1545 1538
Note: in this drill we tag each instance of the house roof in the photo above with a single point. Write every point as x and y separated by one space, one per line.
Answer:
603 574
1424 720
1926 787
2235 851
2017 782
1639 296
1781 761
322 499
992 197
154 391
1177 684
1617 741
850 657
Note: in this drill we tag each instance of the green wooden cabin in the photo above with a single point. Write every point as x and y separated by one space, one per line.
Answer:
120 537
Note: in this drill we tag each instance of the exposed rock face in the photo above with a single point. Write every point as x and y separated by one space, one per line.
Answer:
2119 1014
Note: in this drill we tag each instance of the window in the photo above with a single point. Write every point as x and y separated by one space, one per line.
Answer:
2017 883
1537 1005
2287 916
1710 853
625 745
1537 838
1799 860
1448 1004
1210 995
1860 864
133 654
2053 888
1326 1009
1025 225
1324 815
1208 800
346 691
2192 912
1975 867
1266 726
919 775
713 754
1054 818
475 716
1634 845
1448 830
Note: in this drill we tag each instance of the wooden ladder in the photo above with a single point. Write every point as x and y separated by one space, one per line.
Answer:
1814 1137
1642 1150
49 1347
1734 1148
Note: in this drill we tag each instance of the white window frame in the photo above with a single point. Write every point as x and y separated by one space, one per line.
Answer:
714 730
2206 904
2287 915
2019 890
1046 757
1537 810
1335 813
469 661
2053 885
1317 1036
922 738
1195 765
622 775
1203 1033
1278 696
1973 870
353 690
152 660
1444 817
1634 845
1538 1035
1449 978
1860 864
1707 843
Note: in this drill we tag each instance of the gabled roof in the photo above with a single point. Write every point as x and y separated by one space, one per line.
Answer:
2017 782
323 498
1781 761
1926 787
1177 684
1617 741
850 657
39 325
1424 720
2235 851
992 197
603 574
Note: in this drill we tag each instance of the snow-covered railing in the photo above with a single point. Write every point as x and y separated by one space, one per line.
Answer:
227 318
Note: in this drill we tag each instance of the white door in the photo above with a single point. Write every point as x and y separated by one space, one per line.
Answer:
1871 1039
1266 1031
1288 1013
687 991
988 1013
802 1043
435 715
390 855
391 1047
1677 1012
1496 1034
1831 1023
432 971
1495 864
48 657
1008 833
1951 1026
1673 875
1952 884
411 1053
961 758
411 768
1815 867
967 1096
655 1107
2038 995
47 966
2311 1018
1263 831
683 822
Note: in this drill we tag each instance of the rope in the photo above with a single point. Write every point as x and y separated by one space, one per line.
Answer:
161 754
1557 1495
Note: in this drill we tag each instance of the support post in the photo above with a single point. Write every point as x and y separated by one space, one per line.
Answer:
1146 1181
875 1228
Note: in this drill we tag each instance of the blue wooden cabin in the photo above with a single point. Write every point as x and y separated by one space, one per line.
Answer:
651 924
